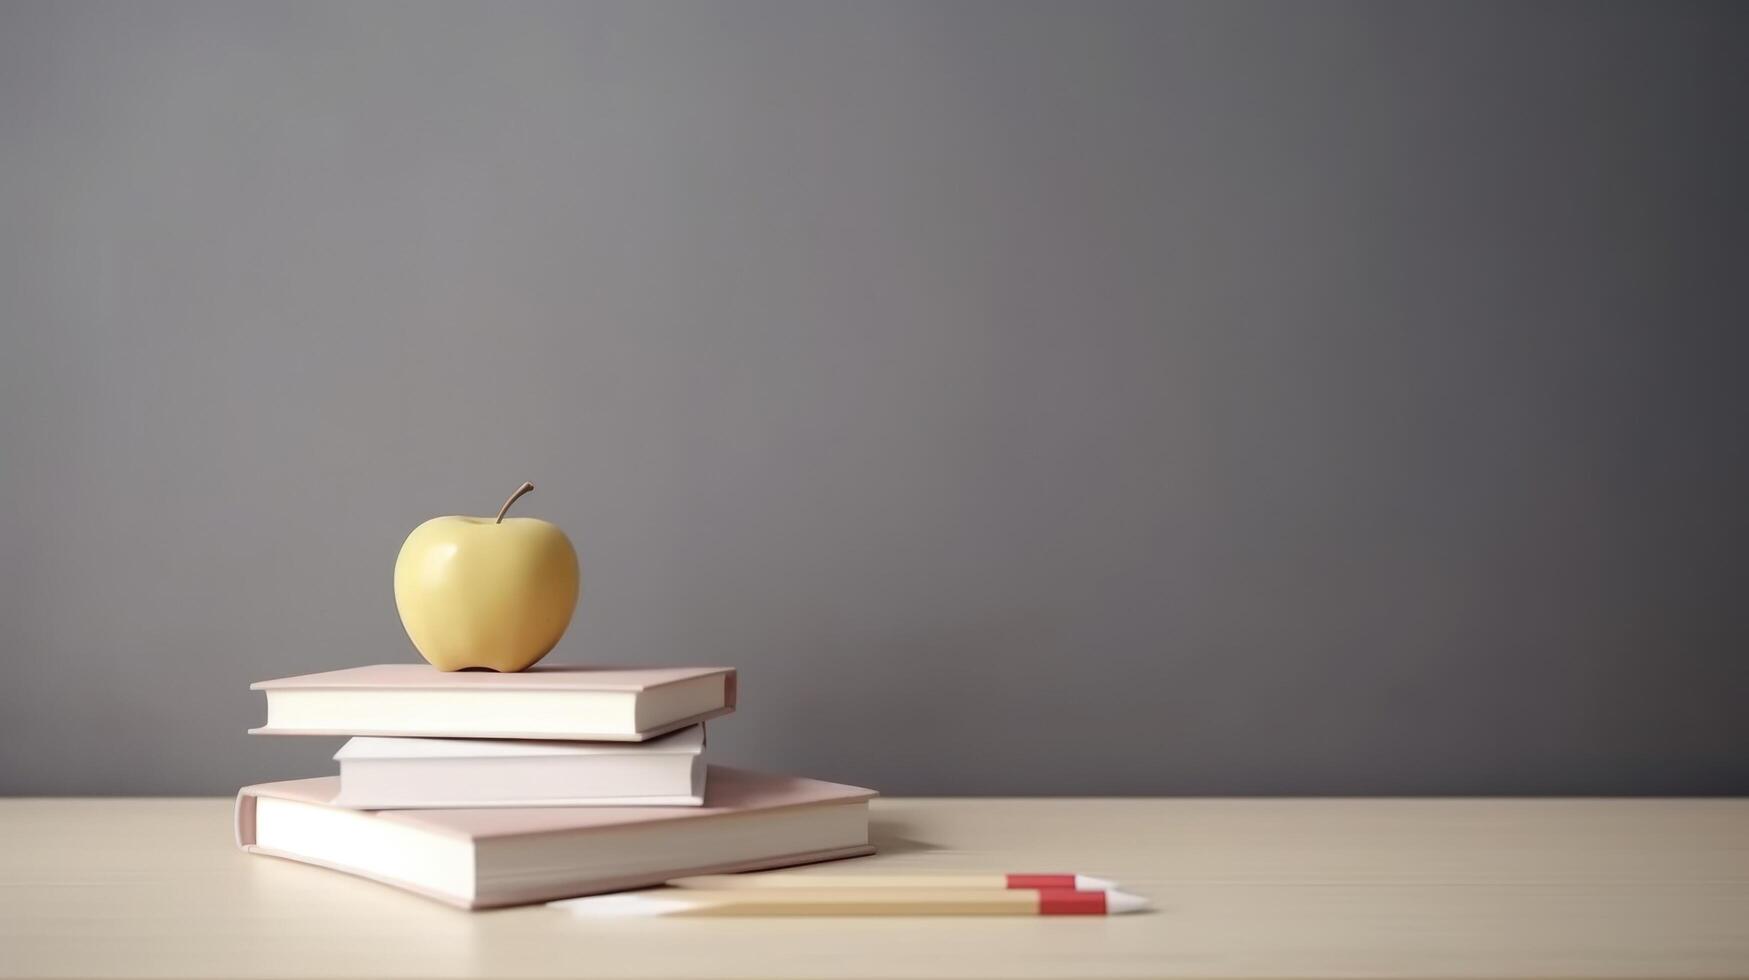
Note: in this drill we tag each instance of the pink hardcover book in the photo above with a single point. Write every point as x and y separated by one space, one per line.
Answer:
484 858
543 702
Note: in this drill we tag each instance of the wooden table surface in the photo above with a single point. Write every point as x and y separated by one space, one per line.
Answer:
1245 888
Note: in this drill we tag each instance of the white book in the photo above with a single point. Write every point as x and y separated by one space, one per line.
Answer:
444 773
585 704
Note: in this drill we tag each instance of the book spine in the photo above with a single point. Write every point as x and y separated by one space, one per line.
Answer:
245 819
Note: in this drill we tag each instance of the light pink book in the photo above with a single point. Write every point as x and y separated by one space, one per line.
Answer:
484 858
543 702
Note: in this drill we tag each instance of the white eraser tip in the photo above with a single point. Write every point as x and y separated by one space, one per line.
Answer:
1117 903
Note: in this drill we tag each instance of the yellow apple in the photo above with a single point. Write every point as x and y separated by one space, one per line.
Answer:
479 592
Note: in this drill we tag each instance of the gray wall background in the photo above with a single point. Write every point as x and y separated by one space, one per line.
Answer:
1029 397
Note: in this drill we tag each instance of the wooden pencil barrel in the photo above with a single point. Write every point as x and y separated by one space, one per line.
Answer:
862 902
814 882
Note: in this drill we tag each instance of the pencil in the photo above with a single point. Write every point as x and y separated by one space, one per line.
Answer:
682 902
1085 883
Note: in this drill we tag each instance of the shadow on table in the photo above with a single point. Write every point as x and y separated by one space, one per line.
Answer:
889 837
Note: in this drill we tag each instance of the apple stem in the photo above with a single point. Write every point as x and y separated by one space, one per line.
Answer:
526 487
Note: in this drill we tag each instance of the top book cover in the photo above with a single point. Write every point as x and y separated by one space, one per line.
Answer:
546 702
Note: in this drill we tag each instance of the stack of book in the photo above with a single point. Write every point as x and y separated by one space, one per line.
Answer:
486 789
